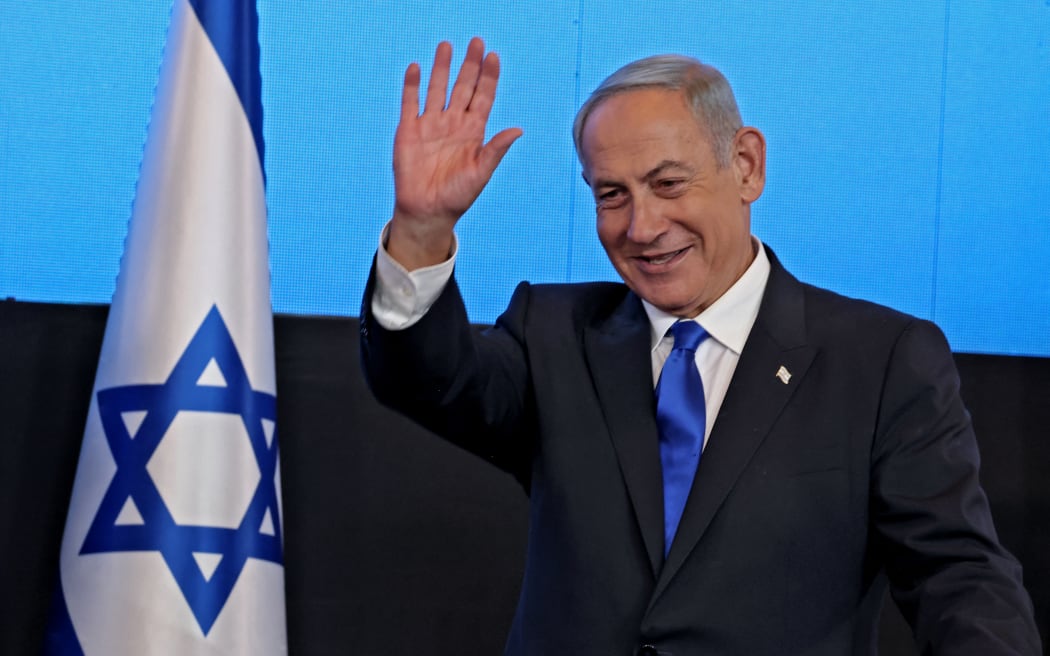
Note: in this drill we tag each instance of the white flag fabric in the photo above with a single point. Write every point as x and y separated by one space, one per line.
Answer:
173 541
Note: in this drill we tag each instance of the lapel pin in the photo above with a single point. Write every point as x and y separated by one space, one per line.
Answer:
783 374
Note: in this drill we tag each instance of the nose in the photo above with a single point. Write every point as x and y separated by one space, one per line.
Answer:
646 222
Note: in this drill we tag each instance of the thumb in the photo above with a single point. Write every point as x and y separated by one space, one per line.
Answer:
492 153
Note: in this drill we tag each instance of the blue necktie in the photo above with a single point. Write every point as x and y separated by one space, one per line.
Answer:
681 416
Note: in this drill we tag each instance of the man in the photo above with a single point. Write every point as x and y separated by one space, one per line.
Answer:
836 453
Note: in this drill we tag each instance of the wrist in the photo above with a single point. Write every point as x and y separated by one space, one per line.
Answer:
415 244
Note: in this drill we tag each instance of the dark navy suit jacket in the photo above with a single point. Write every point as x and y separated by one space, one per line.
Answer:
861 470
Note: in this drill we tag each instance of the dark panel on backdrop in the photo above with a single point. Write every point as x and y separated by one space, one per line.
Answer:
396 542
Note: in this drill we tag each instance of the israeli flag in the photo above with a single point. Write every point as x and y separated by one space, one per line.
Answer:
173 541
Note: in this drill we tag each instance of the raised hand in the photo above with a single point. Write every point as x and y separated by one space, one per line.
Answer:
441 160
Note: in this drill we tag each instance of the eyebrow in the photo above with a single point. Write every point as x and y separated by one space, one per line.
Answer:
660 168
664 165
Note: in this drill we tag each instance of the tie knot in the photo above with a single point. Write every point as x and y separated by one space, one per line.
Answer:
688 335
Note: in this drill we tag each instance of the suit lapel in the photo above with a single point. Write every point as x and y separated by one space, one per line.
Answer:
755 398
617 352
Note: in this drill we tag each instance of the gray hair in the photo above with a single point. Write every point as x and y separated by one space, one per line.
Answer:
705 90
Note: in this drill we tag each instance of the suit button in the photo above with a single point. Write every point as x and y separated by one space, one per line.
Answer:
648 650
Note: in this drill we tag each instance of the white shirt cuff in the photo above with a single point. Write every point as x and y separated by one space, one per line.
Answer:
401 297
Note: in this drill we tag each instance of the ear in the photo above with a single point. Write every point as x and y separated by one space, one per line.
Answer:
749 163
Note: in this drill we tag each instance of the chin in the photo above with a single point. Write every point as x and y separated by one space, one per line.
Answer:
672 304
669 296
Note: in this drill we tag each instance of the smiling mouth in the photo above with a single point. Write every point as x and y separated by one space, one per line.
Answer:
664 258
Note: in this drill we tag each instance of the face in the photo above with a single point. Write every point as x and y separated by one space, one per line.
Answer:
674 225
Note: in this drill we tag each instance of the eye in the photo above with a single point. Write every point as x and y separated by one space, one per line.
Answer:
610 198
667 185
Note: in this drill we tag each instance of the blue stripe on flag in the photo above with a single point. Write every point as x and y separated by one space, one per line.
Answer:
233 28
61 637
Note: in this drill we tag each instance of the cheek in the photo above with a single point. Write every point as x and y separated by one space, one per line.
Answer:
719 228
609 229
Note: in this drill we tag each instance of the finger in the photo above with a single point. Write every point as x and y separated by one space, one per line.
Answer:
437 88
410 93
492 154
468 75
485 93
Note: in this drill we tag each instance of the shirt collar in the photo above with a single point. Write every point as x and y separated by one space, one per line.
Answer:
730 318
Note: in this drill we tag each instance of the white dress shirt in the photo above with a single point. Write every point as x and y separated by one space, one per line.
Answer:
728 321
401 298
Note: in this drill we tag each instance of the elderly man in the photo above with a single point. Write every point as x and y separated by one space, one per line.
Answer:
720 459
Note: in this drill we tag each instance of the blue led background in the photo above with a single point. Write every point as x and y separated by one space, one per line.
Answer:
908 144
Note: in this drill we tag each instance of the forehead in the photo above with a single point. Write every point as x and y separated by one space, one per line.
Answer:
635 130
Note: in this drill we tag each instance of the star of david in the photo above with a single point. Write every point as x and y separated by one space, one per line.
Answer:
154 528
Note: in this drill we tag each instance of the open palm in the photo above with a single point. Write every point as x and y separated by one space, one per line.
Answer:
441 160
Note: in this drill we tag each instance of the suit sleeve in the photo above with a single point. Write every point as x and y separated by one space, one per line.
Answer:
953 581
470 386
